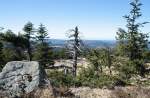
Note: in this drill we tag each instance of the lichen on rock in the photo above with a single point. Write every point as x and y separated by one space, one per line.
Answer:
23 77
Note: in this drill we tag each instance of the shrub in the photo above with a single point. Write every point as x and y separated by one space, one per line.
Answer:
43 54
58 79
127 70
89 77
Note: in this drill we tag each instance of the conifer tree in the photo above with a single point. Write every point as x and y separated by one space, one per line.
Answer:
28 28
133 42
17 43
43 51
42 33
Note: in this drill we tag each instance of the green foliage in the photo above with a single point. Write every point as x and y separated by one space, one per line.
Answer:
28 29
58 78
1 56
146 55
1 53
15 40
100 58
9 54
108 58
89 77
127 70
43 54
61 54
42 33
122 43
95 57
12 47
133 43
16 43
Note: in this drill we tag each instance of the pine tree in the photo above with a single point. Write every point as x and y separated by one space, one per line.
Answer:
28 28
133 42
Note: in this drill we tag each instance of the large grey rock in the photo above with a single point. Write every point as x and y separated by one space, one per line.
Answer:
19 77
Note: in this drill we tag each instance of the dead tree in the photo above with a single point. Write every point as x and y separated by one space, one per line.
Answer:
74 46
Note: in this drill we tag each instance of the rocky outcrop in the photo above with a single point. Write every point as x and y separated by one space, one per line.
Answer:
21 77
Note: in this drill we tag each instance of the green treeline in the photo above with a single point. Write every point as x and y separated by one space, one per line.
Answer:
30 45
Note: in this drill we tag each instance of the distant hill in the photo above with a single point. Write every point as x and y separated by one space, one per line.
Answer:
88 43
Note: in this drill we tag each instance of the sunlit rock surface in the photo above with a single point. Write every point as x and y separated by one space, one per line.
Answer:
22 77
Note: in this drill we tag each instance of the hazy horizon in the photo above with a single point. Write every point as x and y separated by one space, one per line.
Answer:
96 19
84 39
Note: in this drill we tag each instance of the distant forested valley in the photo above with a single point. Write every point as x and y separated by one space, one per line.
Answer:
88 43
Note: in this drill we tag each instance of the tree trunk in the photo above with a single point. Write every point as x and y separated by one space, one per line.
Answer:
29 50
75 57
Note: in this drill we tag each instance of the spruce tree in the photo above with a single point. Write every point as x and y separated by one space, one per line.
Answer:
133 42
42 34
43 51
28 29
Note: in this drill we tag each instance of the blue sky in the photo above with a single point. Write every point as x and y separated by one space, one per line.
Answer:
96 19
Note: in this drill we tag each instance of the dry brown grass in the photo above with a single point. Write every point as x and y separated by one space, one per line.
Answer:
63 92
39 93
131 92
3 95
